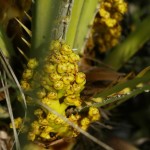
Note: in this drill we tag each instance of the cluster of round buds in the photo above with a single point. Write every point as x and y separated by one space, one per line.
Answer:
28 74
57 83
62 73
107 28
111 12
49 126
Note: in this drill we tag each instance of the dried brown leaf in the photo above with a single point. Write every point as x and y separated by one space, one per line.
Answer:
102 74
2 96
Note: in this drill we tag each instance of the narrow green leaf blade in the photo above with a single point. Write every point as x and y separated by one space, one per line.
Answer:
108 97
5 44
81 23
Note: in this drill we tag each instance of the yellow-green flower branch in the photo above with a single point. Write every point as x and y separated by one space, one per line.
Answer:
56 82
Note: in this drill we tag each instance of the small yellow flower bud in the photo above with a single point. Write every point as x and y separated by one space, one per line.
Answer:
85 121
55 77
73 118
45 135
84 127
69 99
43 122
49 68
66 79
76 67
51 117
52 95
122 7
25 85
70 68
77 102
80 77
65 49
76 88
31 136
94 114
73 100
106 4
58 85
55 45
38 112
36 131
61 68
48 129
56 58
110 22
104 13
32 63
34 124
69 90
75 134
27 74
46 101
93 111
65 58
95 118
97 99
59 121
18 123
78 116
74 58
41 93
71 77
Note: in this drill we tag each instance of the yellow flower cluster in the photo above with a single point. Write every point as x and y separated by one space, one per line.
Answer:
107 29
17 123
57 83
